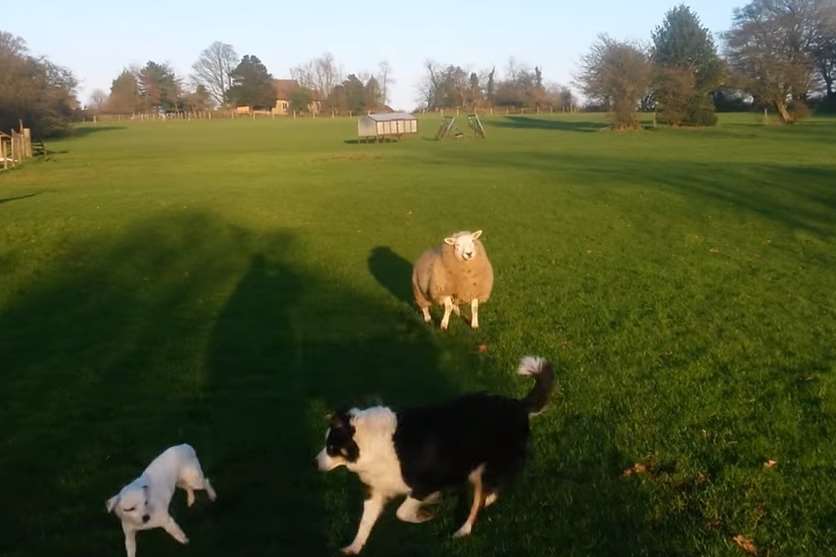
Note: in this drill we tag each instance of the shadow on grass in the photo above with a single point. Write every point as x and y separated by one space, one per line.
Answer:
392 271
795 196
527 122
83 131
185 329
18 197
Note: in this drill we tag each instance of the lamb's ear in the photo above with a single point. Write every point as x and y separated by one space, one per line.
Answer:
450 241
111 503
476 234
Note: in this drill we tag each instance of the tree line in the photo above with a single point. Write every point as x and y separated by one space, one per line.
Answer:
33 90
451 86
779 53
220 78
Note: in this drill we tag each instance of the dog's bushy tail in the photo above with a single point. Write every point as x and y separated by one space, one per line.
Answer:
543 373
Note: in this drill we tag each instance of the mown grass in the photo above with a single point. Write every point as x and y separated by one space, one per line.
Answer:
228 283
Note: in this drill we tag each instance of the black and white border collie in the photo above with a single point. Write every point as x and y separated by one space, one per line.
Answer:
480 438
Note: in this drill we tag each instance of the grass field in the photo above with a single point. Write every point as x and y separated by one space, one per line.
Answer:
227 283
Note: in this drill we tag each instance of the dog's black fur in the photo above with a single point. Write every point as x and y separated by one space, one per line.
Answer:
438 446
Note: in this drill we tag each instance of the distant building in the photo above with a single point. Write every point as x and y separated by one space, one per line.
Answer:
382 125
284 89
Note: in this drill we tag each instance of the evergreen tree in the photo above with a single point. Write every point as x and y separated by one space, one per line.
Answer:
252 84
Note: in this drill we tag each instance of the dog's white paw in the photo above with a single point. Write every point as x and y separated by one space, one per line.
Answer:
462 532
351 550
184 540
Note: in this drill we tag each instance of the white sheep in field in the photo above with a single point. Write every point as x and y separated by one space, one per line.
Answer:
457 271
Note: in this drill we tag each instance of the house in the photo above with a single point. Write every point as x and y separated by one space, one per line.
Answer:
284 89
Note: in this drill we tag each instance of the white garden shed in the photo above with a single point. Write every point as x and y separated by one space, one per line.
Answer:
386 124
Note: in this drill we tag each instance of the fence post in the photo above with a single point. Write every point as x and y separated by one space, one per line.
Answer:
765 117
3 153
27 143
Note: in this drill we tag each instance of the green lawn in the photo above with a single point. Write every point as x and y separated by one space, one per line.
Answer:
227 283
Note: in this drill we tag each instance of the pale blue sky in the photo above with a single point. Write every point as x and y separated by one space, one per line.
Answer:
96 38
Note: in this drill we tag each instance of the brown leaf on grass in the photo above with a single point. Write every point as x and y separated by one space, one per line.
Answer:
746 544
634 470
770 464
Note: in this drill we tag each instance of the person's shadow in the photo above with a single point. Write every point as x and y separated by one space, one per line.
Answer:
392 271
279 362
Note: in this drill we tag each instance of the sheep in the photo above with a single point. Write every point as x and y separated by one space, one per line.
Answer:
457 271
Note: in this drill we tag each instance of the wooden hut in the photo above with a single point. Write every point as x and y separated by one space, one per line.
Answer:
389 124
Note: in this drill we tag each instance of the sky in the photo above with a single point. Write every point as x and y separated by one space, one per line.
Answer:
96 39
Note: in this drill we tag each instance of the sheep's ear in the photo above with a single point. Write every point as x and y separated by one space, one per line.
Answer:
111 503
476 234
450 241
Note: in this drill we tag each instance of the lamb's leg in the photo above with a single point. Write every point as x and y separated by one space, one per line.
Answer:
189 496
130 540
427 317
371 511
209 490
448 308
478 499
474 313
174 529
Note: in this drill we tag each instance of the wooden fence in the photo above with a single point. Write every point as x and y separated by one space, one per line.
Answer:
227 114
15 147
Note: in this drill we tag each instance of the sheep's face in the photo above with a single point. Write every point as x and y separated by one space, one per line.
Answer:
464 244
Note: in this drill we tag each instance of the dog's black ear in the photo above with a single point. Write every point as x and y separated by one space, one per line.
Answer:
110 504
340 420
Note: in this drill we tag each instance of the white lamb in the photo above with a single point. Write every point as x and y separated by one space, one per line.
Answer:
457 271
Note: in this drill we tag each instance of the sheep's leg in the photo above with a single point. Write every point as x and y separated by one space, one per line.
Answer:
448 308
474 313
426 312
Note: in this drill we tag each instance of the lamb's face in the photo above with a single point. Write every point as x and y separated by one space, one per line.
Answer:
131 505
464 245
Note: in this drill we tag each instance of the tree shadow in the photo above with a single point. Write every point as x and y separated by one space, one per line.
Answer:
527 122
795 196
392 271
186 329
83 131
18 197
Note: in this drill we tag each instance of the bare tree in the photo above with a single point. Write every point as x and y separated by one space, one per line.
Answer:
384 77
616 74
98 100
428 87
214 68
824 46
320 74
